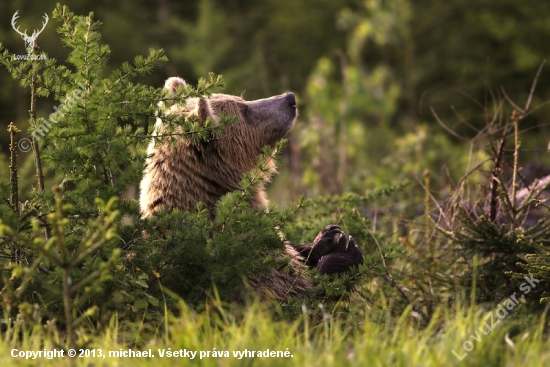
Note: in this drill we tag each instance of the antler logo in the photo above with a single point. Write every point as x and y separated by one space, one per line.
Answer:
30 41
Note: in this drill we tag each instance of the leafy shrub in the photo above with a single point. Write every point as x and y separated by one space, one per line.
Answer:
61 251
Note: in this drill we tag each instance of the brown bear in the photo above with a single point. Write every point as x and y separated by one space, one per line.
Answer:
179 176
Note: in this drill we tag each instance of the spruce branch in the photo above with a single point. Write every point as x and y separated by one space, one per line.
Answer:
14 200
250 182
32 113
515 170
495 174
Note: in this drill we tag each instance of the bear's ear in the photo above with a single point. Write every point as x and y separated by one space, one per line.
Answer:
172 84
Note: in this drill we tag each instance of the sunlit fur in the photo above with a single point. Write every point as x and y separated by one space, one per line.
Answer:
181 176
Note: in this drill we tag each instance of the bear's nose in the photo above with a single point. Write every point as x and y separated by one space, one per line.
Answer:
291 100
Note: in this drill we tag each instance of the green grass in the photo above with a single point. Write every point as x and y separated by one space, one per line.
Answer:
354 342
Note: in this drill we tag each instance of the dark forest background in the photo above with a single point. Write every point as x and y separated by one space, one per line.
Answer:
423 126
369 76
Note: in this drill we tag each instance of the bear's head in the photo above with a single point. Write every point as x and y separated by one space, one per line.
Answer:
259 123
183 175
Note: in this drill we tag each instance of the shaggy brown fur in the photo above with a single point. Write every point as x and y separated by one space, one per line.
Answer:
181 176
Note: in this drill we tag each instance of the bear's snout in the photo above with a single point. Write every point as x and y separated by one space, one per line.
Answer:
291 100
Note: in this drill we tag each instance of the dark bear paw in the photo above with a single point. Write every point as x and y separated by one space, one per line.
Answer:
332 251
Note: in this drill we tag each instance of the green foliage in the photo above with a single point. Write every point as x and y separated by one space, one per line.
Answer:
398 340
77 277
495 229
94 141
206 47
355 137
455 230
190 252
538 265
95 144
